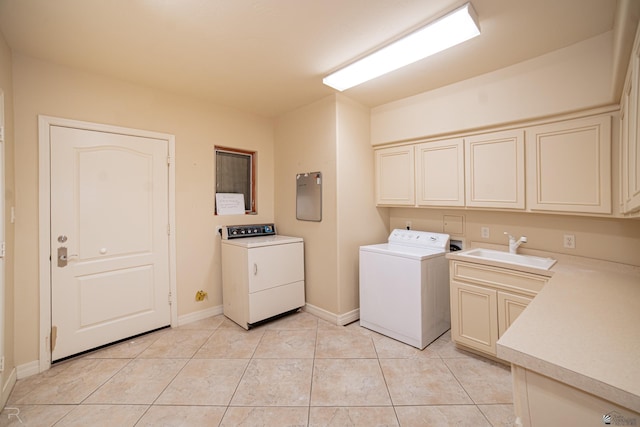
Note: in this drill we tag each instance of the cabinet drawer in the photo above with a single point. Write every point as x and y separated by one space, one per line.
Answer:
529 284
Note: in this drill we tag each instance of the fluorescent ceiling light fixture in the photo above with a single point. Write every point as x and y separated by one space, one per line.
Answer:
450 30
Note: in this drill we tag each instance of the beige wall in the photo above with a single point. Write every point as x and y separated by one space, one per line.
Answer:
45 88
305 141
359 221
615 240
330 136
574 78
6 86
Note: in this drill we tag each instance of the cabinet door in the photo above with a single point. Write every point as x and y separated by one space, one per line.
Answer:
474 318
569 166
627 129
395 176
494 171
275 265
510 306
631 157
440 173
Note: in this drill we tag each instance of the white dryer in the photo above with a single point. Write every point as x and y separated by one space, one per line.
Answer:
404 287
262 273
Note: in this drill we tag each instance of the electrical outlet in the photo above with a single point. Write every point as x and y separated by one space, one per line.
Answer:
484 232
201 295
407 224
570 241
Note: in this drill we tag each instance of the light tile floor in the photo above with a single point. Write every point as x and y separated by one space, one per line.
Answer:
294 371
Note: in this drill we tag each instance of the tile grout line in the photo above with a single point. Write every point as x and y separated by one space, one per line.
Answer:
380 349
313 370
212 332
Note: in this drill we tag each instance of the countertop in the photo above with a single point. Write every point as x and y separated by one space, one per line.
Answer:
582 329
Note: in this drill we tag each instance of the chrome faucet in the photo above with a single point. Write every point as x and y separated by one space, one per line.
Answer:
514 244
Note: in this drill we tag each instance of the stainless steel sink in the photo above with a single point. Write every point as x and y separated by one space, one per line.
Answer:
517 259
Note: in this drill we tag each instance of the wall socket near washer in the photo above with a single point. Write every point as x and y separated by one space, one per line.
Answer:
569 241
484 232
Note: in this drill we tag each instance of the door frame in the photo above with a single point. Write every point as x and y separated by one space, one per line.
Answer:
44 198
3 248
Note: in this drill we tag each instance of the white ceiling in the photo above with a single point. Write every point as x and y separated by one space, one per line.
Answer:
269 56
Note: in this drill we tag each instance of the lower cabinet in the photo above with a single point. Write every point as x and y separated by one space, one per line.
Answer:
474 320
509 308
486 300
540 401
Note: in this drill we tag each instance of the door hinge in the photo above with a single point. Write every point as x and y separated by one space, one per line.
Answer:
170 298
1 133
3 249
54 337
169 229
169 160
2 364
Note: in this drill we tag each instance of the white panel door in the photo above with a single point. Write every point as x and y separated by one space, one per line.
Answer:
109 209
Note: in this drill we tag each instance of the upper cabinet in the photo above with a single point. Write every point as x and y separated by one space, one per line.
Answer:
495 170
440 173
395 176
569 166
630 136
555 166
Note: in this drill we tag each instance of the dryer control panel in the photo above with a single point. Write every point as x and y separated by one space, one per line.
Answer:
238 231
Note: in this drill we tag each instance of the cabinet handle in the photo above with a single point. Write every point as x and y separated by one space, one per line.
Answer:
255 269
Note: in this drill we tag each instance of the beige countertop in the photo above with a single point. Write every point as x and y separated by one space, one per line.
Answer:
583 329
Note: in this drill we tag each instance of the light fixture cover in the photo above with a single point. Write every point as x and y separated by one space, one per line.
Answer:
450 30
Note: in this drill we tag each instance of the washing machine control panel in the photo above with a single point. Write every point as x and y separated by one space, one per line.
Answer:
239 231
417 238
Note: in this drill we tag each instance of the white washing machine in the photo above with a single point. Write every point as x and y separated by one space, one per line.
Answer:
404 287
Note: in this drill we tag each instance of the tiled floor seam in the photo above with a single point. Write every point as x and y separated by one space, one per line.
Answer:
313 369
386 383
443 349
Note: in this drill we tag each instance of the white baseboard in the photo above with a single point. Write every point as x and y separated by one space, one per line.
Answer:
7 388
350 317
28 369
199 315
334 319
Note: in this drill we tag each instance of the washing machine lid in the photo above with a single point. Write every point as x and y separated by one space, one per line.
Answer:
405 251
256 242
